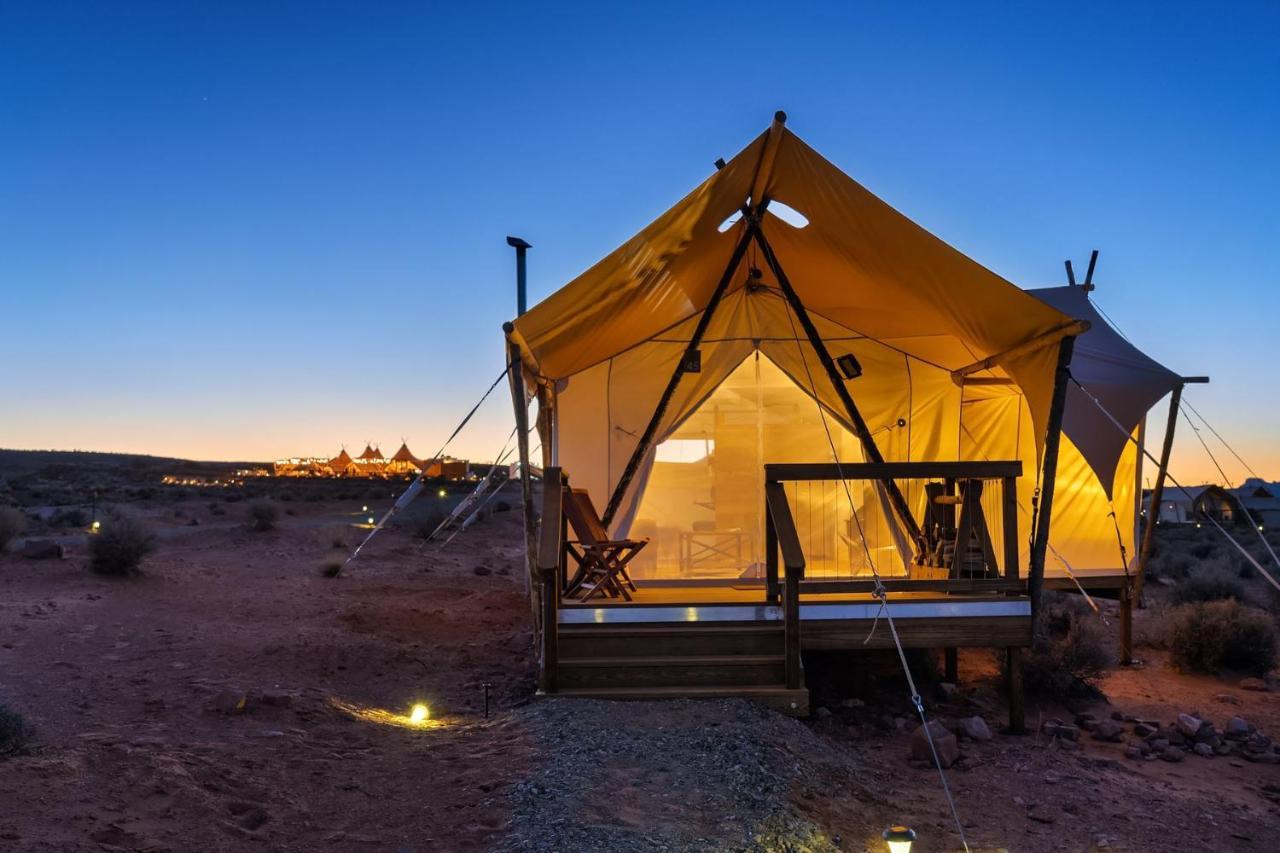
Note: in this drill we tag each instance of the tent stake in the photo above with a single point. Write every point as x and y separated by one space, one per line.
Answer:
1040 544
860 427
646 438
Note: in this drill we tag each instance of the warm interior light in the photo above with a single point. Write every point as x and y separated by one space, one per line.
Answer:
418 715
899 839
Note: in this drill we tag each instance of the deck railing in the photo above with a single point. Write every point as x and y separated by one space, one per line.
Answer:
953 478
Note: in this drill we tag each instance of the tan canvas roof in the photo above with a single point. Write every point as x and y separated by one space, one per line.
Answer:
862 269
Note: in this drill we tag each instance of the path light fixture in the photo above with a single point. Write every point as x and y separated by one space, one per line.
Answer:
899 839
371 519
364 508
419 714
443 493
97 526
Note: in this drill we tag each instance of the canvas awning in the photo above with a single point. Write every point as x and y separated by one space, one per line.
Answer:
1125 380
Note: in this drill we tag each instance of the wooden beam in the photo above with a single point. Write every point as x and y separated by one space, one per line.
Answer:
550 554
1066 330
1053 438
784 526
526 483
860 427
651 429
1009 495
1126 626
779 471
1157 493
959 586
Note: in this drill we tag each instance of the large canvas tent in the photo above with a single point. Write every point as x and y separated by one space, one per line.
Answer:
703 348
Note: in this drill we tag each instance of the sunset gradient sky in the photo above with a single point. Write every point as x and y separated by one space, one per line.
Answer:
267 229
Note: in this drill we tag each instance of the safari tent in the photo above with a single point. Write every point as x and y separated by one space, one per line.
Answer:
792 398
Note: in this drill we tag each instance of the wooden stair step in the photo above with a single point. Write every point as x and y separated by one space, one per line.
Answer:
795 702
672 671
669 641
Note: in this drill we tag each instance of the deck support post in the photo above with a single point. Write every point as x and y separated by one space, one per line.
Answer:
951 665
791 603
1040 544
646 438
770 556
869 447
521 404
1157 493
1126 624
1017 714
550 567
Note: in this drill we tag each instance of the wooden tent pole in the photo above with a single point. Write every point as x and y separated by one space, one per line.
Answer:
646 438
520 402
860 427
1157 493
1040 544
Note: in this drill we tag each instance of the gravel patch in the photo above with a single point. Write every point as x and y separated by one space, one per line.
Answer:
713 775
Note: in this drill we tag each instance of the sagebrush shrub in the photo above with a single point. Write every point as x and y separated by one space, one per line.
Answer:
12 523
1215 635
1211 584
1069 652
120 546
262 514
15 732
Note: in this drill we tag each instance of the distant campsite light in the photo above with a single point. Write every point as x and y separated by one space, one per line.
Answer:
364 508
899 839
418 714
97 525
1259 527
443 493
371 519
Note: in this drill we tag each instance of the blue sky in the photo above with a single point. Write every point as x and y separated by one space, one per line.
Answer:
262 229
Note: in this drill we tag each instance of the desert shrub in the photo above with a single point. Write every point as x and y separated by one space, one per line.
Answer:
69 518
1211 584
1172 565
15 732
1069 652
12 523
121 545
262 514
426 522
1202 550
1214 635
331 567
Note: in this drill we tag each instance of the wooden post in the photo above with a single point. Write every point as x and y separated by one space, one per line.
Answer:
1040 544
550 556
793 561
770 556
1126 625
791 604
860 427
1017 715
526 481
1157 492
646 438
1009 493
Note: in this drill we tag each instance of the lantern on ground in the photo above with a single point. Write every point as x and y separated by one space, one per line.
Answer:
899 839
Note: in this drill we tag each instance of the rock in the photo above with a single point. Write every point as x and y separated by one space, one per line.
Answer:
1224 749
1257 742
944 742
822 713
1058 729
1117 716
1203 749
1134 753
947 689
1227 698
43 549
975 728
1109 730
228 702
482 571
1172 754
1187 725
1238 728
1086 721
1255 684
853 703
1039 814
1261 757
276 698
1145 729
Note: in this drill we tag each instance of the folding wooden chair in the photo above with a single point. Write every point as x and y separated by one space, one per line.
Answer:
602 561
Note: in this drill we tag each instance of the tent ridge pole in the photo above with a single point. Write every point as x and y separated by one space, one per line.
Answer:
869 446
1053 439
646 438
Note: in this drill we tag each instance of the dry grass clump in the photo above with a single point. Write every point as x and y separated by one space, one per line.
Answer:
262 515
15 732
1069 653
120 547
12 523
1216 635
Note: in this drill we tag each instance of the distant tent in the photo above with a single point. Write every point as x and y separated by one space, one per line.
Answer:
371 454
404 462
340 462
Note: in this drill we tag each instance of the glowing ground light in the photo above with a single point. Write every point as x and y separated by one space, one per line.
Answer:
364 508
418 714
371 519
97 525
899 839
443 493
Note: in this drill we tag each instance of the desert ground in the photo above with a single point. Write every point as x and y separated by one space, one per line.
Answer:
233 697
